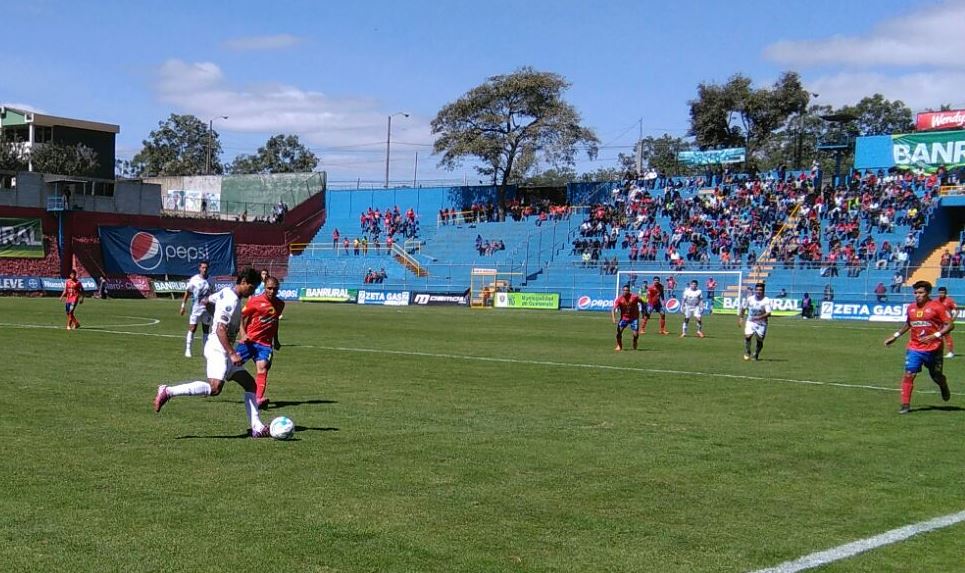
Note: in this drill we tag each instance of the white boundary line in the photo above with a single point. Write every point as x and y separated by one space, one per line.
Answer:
151 322
470 358
851 549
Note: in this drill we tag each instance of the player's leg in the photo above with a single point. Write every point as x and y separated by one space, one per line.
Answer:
189 337
205 321
663 322
950 345
747 346
936 371
244 379
700 325
217 366
914 360
760 343
635 327
261 382
69 311
684 324
620 326
646 318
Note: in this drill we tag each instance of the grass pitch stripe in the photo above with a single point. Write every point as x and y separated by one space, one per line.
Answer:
599 367
851 549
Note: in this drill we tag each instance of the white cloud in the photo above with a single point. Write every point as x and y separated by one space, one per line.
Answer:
262 43
920 90
203 90
928 37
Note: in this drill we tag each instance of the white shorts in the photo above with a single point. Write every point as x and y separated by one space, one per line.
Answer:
694 312
199 314
219 366
758 328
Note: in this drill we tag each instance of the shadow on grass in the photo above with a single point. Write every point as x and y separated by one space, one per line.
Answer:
939 409
246 434
272 404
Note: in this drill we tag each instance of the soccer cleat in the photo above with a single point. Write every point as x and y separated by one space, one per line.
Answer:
946 393
950 355
664 332
187 353
683 335
747 357
757 358
161 397
700 334
905 408
618 348
263 403
264 432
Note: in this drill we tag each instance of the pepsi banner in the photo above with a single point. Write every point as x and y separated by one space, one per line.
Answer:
129 250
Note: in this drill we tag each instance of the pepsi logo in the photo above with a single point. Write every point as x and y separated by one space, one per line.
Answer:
673 305
583 302
146 251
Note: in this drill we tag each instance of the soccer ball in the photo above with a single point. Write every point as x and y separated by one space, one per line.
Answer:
281 428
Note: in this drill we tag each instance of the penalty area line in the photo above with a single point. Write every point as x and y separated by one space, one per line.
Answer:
851 549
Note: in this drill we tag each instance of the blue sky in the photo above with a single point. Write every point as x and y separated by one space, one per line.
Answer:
332 72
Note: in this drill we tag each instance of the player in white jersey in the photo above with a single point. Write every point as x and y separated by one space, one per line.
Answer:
199 289
692 303
757 309
223 363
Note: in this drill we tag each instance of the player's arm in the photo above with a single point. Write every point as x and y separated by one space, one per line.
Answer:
898 334
222 333
63 295
741 314
246 313
80 293
613 314
184 301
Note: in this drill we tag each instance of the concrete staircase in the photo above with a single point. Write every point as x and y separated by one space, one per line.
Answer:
930 269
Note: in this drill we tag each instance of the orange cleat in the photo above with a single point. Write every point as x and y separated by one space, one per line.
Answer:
700 334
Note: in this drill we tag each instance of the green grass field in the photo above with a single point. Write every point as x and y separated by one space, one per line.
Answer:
454 440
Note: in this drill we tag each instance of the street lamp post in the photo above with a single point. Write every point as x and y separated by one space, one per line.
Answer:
207 157
388 144
800 134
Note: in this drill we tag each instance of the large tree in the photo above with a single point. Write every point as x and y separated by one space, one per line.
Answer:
661 153
280 154
78 160
12 156
510 124
876 115
181 145
736 114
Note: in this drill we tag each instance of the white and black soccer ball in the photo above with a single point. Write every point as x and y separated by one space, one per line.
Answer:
281 428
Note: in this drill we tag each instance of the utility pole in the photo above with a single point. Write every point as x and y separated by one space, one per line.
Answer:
640 151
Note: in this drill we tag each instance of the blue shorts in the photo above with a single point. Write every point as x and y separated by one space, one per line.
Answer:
633 324
253 351
69 307
933 361
658 308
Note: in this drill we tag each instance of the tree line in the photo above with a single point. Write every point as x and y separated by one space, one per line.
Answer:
519 129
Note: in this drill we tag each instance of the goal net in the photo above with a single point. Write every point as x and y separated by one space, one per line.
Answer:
722 290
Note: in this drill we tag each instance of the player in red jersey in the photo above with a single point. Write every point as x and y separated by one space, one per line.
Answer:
655 304
952 308
628 304
259 325
73 295
929 321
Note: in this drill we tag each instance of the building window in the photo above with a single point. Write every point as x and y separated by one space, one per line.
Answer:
18 133
43 134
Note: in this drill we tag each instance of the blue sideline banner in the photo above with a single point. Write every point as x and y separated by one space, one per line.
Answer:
129 250
57 284
863 310
587 302
386 298
20 284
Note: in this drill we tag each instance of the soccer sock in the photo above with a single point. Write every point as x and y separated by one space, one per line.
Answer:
251 407
204 339
949 343
261 382
620 339
747 346
907 385
684 327
663 323
635 340
196 388
700 326
760 346
644 327
188 339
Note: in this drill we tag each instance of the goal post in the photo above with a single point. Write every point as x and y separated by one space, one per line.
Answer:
722 290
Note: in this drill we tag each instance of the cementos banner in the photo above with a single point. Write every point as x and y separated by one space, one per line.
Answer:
129 250
386 298
533 300
862 310
923 150
732 155
932 120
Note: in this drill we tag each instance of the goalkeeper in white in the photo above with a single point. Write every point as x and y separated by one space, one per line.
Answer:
692 306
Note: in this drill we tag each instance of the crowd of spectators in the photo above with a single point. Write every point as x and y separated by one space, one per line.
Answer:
375 277
486 247
791 219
